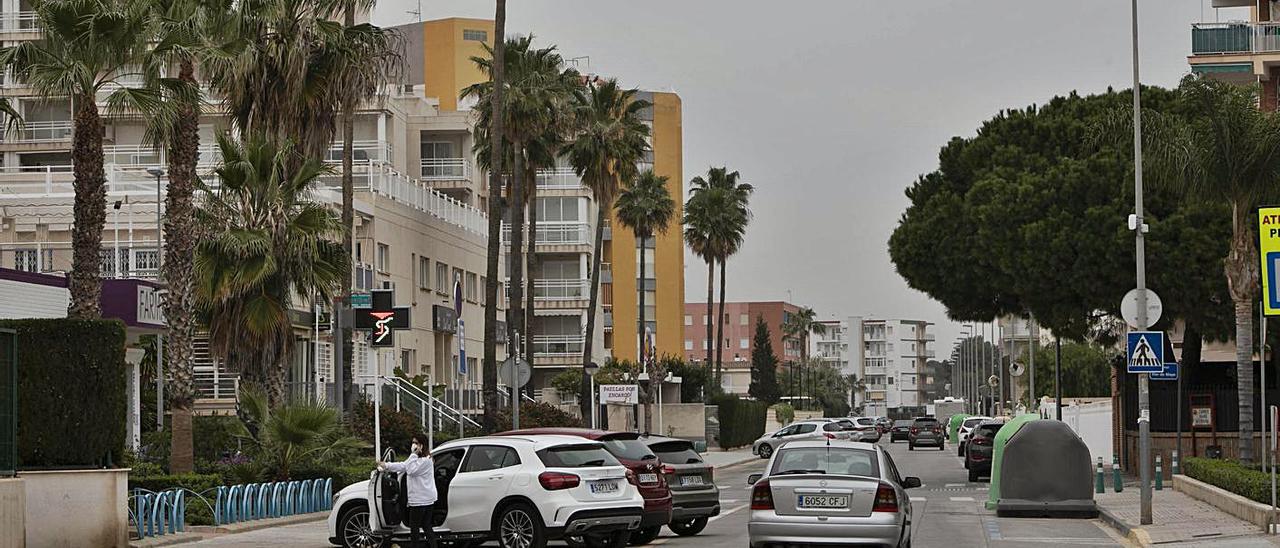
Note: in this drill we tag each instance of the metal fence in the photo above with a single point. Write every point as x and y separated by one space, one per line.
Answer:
8 402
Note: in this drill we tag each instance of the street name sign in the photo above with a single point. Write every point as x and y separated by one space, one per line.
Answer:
1269 252
1146 352
1169 373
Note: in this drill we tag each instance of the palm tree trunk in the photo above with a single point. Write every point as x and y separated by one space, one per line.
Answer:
584 399
530 263
1242 276
490 368
179 276
711 314
348 237
515 312
90 210
644 365
720 321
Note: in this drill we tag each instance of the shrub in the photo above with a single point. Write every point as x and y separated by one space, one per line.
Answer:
539 415
1240 479
398 427
741 421
215 437
71 392
784 412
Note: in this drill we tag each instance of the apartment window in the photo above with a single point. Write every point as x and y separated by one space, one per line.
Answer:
475 35
383 259
705 346
558 208
442 277
706 319
457 275
726 344
688 344
424 273
688 319
891 380
407 361
726 319
471 286
743 319
25 260
484 281
743 344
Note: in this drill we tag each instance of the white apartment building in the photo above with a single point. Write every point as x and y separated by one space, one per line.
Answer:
888 356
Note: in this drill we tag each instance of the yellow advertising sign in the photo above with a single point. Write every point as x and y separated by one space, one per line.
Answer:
1269 252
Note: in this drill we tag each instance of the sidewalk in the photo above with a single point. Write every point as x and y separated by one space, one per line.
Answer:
725 459
1176 516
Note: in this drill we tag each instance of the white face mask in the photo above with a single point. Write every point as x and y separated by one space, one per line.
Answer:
417 447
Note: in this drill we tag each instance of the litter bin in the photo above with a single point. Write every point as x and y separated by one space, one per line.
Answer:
1041 468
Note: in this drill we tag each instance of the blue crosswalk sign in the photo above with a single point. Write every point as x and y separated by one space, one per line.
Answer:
1146 352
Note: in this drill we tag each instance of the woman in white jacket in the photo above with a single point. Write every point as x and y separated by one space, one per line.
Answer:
420 478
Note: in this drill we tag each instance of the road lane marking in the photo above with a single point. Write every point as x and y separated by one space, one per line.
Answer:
919 499
993 529
956 485
725 513
961 499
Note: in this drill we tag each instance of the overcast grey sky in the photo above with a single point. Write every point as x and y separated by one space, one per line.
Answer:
832 108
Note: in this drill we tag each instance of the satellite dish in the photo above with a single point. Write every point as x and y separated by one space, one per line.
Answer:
1017 369
993 381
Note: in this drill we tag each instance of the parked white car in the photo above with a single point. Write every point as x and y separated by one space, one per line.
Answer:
812 429
521 491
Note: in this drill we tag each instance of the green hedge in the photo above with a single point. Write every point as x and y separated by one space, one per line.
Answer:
71 392
741 421
1230 475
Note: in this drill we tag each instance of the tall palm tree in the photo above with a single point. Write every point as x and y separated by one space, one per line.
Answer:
609 142
646 208
730 202
267 246
88 47
1223 149
497 106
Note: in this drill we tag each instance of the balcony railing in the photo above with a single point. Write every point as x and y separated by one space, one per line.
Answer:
557 346
45 131
1234 37
19 21
560 290
562 178
557 233
446 169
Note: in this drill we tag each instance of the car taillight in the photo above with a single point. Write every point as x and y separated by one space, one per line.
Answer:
668 470
555 481
914 430
762 496
631 478
886 499
829 435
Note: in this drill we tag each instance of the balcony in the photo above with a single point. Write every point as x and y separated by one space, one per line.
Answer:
560 290
43 132
441 171
19 22
558 346
557 233
1235 38
558 178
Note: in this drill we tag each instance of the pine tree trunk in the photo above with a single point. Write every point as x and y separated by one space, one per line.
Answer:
490 367
179 276
720 321
531 264
90 210
584 403
348 238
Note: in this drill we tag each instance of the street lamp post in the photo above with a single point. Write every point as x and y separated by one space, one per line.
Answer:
158 172
1138 226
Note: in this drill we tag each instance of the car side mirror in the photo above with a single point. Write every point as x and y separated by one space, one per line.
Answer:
910 482
753 478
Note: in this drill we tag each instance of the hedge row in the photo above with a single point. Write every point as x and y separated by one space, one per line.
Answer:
741 421
71 392
1230 475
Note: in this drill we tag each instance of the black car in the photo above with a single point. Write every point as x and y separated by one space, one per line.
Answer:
926 431
900 431
977 458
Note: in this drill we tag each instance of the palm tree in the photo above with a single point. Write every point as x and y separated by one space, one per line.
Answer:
1223 149
728 200
610 140
798 327
267 246
88 47
497 106
295 433
646 208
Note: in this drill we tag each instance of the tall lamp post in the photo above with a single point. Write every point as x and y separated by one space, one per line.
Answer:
1138 226
158 172
966 370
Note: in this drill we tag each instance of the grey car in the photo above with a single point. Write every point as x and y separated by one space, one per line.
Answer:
830 493
926 431
812 429
694 495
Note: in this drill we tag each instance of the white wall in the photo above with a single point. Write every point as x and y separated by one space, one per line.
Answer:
1090 421
26 300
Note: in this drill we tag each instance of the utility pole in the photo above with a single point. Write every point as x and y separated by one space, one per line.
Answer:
1144 390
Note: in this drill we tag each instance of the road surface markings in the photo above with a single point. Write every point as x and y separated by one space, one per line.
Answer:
993 529
919 499
961 499
949 485
723 514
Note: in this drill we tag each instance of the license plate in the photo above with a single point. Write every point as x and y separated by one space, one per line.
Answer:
690 480
822 501
648 478
604 487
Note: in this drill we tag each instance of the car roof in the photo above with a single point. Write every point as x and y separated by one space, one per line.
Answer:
926 418
589 433
535 442
841 444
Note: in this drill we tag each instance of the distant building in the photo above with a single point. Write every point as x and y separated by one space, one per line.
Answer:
888 357
739 337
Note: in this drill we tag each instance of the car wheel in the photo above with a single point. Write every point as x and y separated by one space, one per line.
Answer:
356 532
942 447
688 528
616 539
960 450
644 535
973 475
766 451
520 526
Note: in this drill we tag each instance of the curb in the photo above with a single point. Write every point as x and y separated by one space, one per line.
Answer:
1135 535
167 540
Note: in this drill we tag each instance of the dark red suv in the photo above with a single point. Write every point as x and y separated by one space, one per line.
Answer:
635 454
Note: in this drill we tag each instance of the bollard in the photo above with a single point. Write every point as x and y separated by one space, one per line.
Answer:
1117 481
1100 485
1159 475
1176 470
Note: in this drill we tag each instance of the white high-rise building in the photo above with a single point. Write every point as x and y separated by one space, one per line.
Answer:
887 356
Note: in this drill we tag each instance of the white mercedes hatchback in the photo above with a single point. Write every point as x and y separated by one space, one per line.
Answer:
521 491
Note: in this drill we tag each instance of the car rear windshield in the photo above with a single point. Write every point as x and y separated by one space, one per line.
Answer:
866 422
577 456
676 452
902 423
631 449
927 423
989 430
833 427
826 460
970 423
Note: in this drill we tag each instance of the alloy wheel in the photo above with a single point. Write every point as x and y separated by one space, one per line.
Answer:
516 530
356 531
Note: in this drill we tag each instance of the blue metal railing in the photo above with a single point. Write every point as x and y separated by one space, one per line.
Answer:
158 514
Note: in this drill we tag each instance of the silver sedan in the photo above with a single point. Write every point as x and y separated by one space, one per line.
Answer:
833 493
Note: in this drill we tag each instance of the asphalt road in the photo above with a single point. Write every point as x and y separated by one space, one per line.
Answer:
948 512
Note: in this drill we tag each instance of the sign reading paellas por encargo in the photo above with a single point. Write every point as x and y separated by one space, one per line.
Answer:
1269 252
620 393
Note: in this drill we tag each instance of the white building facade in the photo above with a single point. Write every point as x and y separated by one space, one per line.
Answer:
887 357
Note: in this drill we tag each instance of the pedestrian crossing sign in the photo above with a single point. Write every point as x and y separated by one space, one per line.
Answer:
1146 352
1269 252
